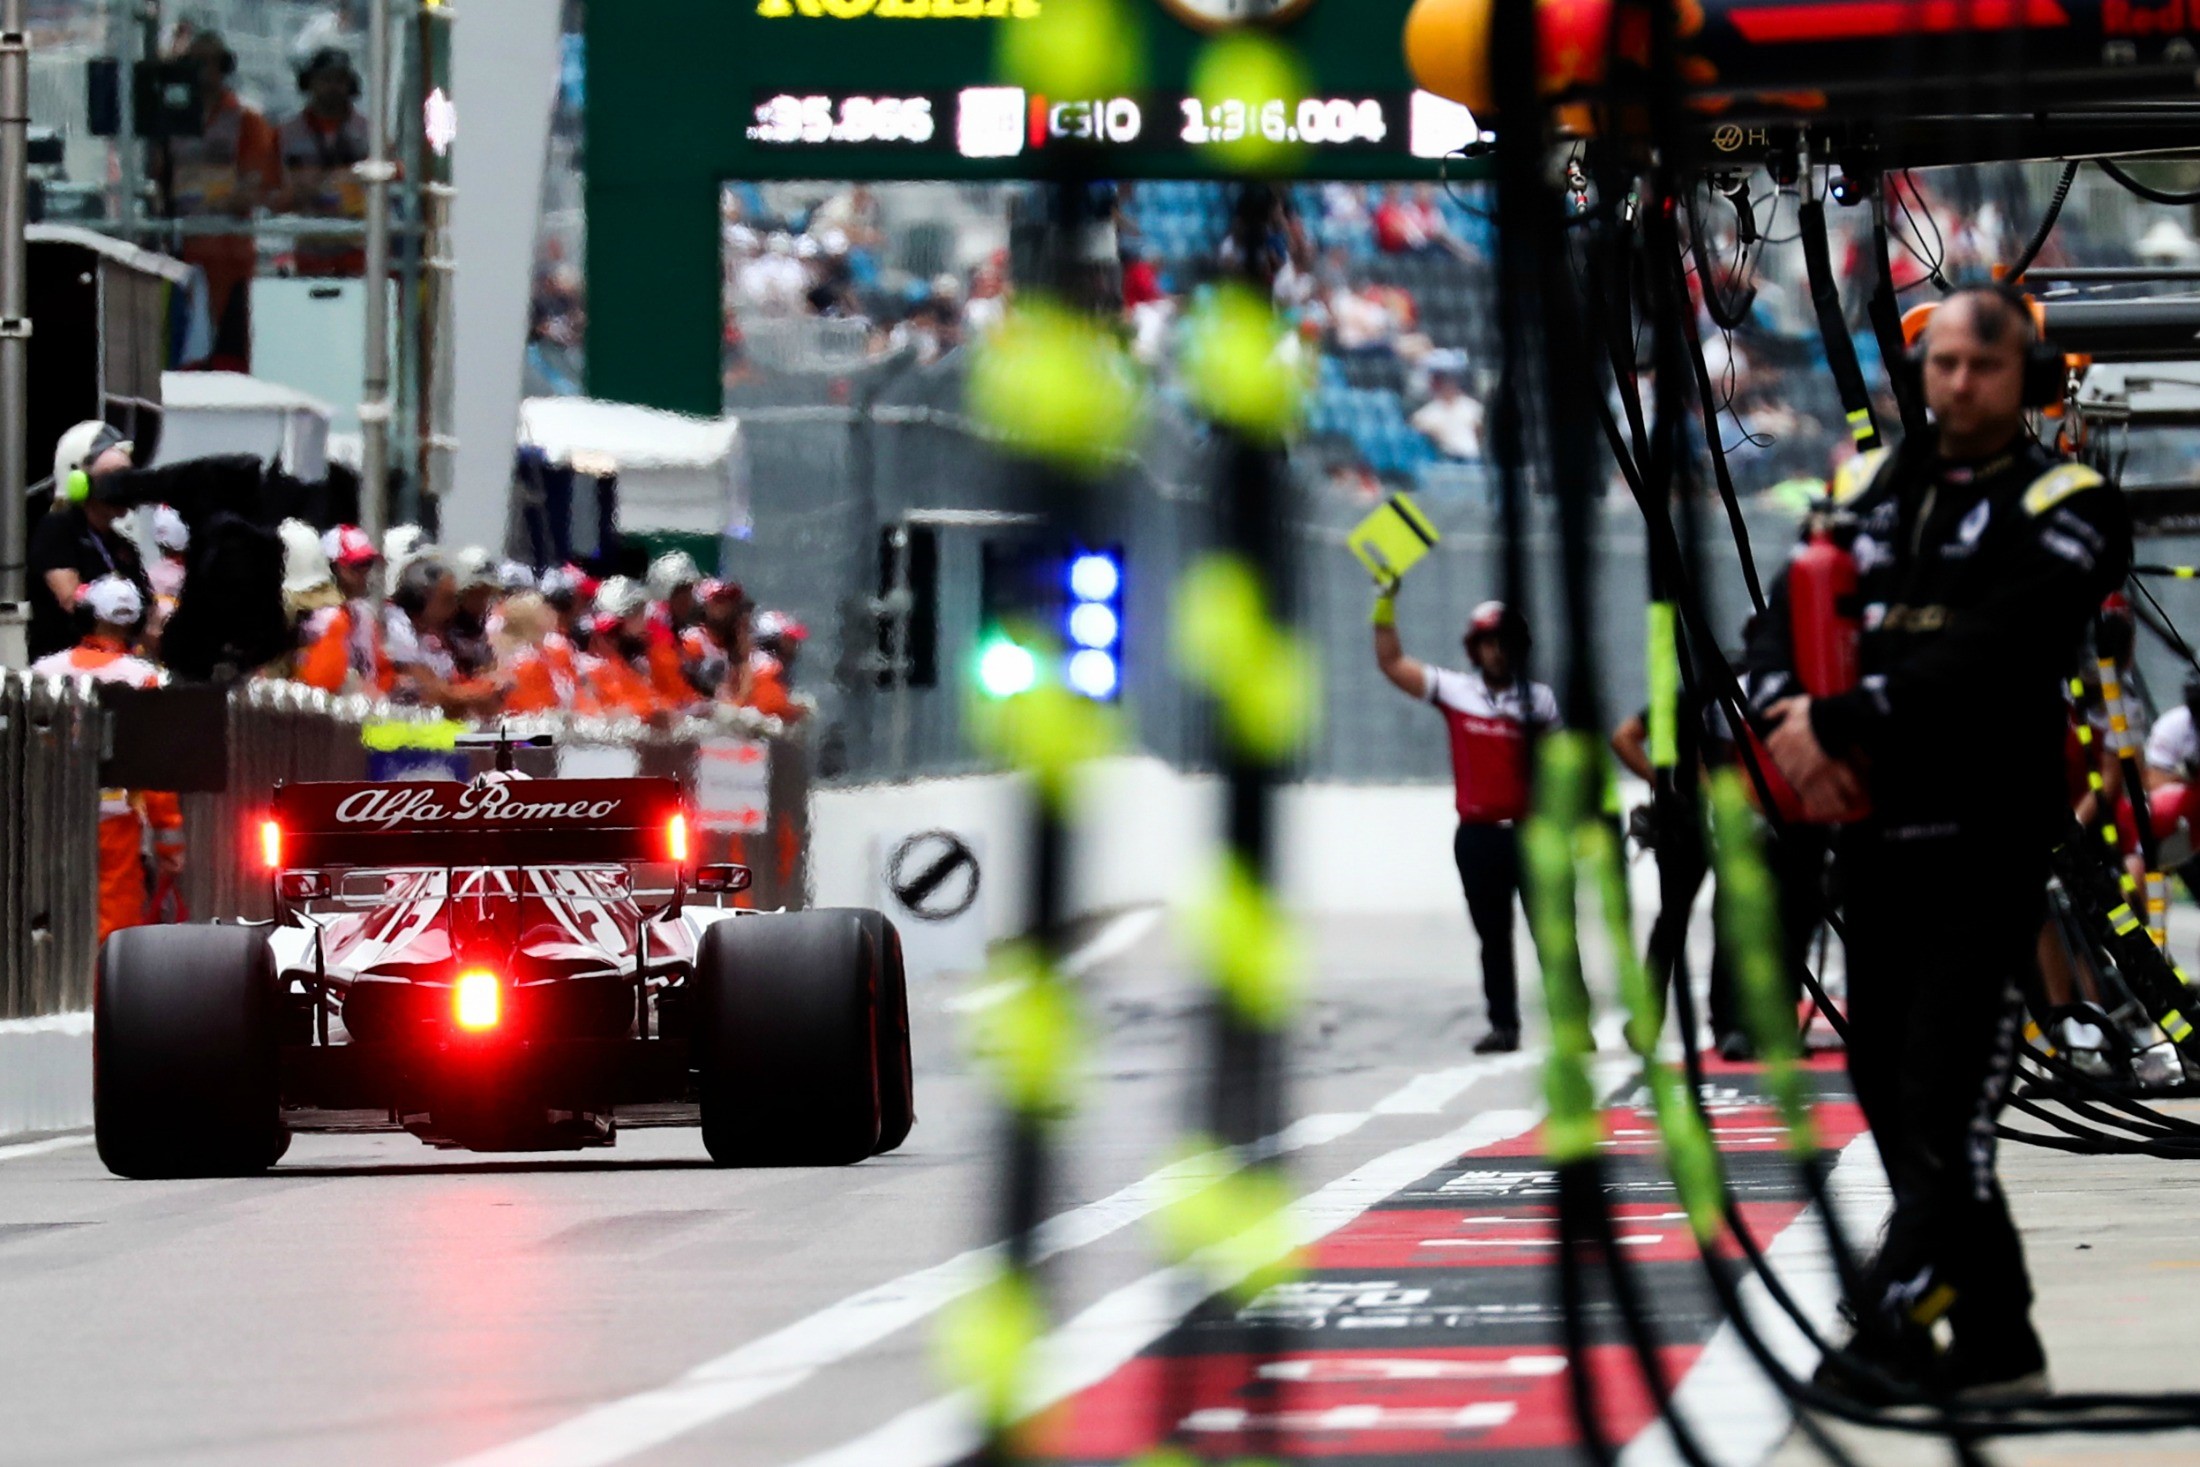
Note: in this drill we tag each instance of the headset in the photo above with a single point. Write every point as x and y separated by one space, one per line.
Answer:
2045 372
322 59
229 57
416 583
77 486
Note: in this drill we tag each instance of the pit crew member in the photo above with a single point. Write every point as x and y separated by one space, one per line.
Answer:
1493 714
116 606
1982 559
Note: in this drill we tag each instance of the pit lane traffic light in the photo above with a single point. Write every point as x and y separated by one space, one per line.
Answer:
1045 603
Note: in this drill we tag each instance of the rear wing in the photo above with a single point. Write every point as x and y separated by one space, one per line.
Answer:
520 822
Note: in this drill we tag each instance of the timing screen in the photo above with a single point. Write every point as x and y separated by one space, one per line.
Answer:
1009 122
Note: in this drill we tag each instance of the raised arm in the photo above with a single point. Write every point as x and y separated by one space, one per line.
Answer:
1409 676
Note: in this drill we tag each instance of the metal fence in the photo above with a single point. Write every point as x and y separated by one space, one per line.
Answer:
749 788
51 730
826 481
277 732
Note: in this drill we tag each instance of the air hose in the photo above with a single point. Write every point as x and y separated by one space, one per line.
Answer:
2152 195
1885 314
1833 327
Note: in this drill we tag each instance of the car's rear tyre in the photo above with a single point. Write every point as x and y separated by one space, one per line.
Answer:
185 1057
897 1096
786 1039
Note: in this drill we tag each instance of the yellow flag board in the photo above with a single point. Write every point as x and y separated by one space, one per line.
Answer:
1392 540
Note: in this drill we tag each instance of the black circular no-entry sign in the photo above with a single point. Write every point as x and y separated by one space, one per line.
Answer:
934 876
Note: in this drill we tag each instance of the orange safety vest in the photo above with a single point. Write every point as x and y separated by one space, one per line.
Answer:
546 678
105 660
767 690
618 688
123 816
338 644
666 676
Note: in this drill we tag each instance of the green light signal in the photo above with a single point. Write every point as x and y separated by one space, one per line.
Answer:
1006 668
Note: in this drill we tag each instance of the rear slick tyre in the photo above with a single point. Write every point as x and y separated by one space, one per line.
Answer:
786 1039
897 1098
185 1055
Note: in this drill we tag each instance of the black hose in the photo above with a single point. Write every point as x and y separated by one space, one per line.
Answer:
1884 310
1982 1420
2023 262
1732 315
2139 1119
1833 326
1720 473
2162 627
2151 194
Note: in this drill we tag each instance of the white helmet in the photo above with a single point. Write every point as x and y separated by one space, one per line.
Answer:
402 542
474 566
305 563
115 601
401 546
669 572
170 533
80 448
621 597
515 576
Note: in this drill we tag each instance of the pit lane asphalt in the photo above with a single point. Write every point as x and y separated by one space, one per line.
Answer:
376 1301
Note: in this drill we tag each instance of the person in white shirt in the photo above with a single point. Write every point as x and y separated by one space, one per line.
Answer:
1451 420
1493 715
2173 744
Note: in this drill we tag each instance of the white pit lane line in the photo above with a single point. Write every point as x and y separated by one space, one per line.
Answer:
22 1149
785 1358
1118 937
1095 1344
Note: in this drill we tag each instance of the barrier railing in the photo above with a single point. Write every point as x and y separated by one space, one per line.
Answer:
51 731
748 783
278 731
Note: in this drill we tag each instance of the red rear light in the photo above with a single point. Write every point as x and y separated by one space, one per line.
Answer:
271 844
676 840
477 1000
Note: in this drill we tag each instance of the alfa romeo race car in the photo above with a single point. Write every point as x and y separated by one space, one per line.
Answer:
488 966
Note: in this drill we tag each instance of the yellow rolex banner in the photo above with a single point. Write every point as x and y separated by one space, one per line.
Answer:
1393 539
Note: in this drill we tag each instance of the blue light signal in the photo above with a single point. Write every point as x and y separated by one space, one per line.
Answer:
1095 577
1095 624
1095 674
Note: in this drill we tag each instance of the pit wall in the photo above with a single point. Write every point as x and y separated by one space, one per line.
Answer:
45 1074
1147 835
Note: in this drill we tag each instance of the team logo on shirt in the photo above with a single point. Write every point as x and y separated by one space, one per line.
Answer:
1968 533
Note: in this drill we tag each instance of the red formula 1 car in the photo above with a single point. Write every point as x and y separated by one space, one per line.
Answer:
483 965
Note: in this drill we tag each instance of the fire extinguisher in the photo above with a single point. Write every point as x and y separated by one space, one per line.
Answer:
1825 632
1822 614
1823 622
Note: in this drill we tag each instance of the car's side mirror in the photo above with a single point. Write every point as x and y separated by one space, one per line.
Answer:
302 886
723 878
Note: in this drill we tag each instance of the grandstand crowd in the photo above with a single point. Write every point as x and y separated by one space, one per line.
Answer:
1384 287
1391 294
